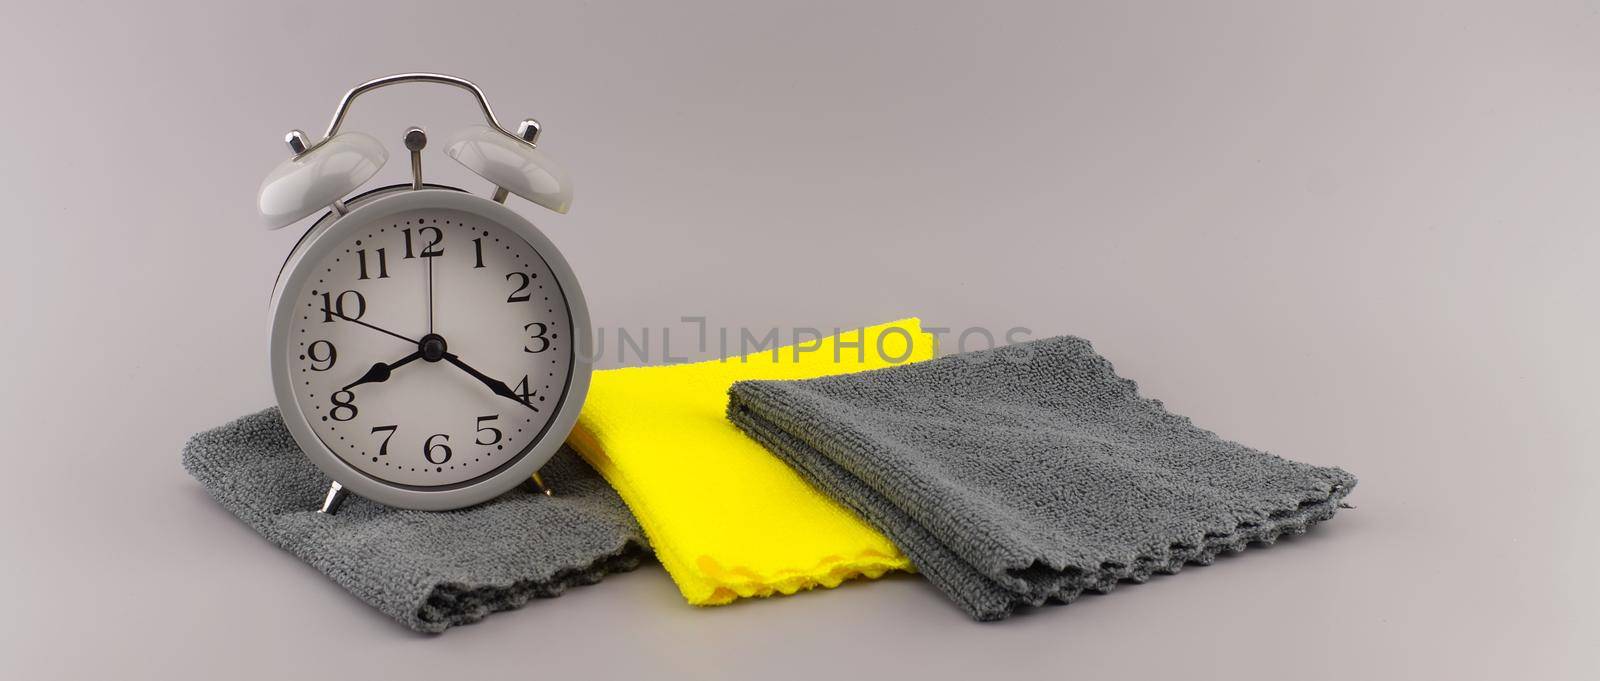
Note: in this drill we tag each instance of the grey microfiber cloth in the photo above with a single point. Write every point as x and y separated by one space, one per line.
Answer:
1030 473
430 570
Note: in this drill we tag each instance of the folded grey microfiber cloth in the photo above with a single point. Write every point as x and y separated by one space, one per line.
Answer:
430 570
1030 473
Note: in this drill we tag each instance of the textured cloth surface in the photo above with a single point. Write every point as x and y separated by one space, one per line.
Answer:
1031 473
725 517
430 570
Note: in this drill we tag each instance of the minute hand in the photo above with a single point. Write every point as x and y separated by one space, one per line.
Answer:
497 386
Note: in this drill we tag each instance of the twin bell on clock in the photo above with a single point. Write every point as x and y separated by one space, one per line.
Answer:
429 345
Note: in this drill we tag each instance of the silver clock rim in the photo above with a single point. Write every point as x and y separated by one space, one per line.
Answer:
485 487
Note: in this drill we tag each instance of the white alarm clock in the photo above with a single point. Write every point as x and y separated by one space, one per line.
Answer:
429 346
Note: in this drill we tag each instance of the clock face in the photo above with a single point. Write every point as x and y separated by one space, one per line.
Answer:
428 348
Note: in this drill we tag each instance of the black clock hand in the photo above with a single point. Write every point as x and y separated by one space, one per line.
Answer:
497 386
429 256
374 328
380 372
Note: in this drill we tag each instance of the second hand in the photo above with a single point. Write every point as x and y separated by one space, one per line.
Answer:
430 256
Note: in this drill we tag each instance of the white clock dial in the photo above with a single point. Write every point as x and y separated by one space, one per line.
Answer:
429 348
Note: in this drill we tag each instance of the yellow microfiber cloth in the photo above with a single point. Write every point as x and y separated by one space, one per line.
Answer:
726 517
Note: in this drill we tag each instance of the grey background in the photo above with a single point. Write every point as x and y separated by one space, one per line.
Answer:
1360 234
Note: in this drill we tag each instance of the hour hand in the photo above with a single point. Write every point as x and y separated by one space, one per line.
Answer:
497 386
380 372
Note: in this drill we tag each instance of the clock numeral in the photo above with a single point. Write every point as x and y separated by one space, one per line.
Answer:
383 264
477 245
335 306
318 358
488 429
521 294
344 407
428 449
537 331
527 395
433 249
383 448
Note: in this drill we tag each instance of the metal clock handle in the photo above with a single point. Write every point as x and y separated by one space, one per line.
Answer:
298 142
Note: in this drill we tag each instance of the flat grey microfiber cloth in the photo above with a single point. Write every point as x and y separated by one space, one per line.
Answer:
1011 480
430 570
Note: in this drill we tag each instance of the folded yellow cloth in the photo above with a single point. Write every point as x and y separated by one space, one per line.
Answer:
726 517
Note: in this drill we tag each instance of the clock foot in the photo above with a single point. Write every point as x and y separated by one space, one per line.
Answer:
335 499
539 485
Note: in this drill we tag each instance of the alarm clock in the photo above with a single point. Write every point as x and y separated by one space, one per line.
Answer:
429 346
